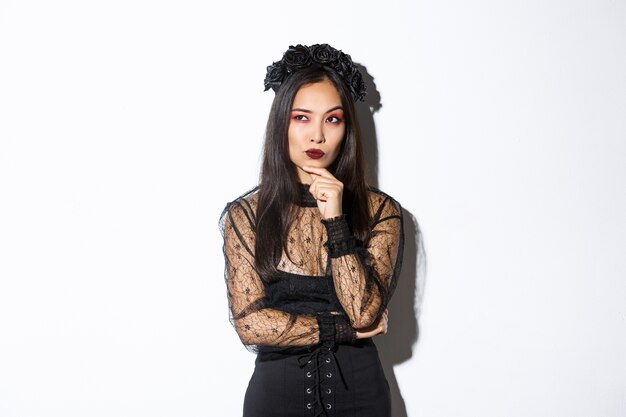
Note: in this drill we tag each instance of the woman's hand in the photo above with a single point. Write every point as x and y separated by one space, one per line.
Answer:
378 327
327 190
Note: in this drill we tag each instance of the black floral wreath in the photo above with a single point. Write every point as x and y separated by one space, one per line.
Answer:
302 56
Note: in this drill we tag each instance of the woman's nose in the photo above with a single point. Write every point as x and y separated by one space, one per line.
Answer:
317 135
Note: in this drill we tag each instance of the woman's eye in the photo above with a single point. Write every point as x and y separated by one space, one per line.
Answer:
300 117
334 119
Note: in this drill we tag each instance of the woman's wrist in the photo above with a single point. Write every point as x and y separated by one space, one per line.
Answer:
337 228
335 328
340 239
344 332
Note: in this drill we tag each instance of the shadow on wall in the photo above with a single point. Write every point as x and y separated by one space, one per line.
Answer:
365 113
403 331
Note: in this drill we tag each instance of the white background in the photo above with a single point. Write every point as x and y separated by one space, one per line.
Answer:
125 127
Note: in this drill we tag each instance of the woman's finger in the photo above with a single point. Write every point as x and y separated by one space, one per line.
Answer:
325 180
322 172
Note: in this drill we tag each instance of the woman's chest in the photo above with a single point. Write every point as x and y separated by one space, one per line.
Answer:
304 252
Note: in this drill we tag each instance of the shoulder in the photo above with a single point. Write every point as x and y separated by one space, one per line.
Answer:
247 200
382 205
243 208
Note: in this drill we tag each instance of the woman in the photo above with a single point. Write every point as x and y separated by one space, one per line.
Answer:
313 254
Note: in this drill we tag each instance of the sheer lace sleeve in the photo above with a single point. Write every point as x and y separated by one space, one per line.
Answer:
366 276
256 324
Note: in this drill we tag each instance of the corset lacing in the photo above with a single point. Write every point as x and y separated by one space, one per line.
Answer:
322 356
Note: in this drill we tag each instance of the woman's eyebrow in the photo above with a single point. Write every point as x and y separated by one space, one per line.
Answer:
334 108
339 107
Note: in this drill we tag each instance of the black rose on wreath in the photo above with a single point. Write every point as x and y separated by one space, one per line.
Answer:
297 57
343 65
275 76
356 84
324 53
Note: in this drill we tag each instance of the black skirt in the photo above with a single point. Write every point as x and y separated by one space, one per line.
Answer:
345 381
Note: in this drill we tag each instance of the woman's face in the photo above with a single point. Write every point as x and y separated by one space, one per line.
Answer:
316 127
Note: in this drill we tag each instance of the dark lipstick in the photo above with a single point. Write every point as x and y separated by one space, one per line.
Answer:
314 153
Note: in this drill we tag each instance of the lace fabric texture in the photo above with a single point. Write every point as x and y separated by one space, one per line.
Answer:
330 283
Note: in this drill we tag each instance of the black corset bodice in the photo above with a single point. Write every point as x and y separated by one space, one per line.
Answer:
299 294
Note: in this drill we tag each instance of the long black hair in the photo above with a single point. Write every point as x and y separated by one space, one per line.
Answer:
279 188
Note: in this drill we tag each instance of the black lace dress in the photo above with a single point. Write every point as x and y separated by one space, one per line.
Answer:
302 325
